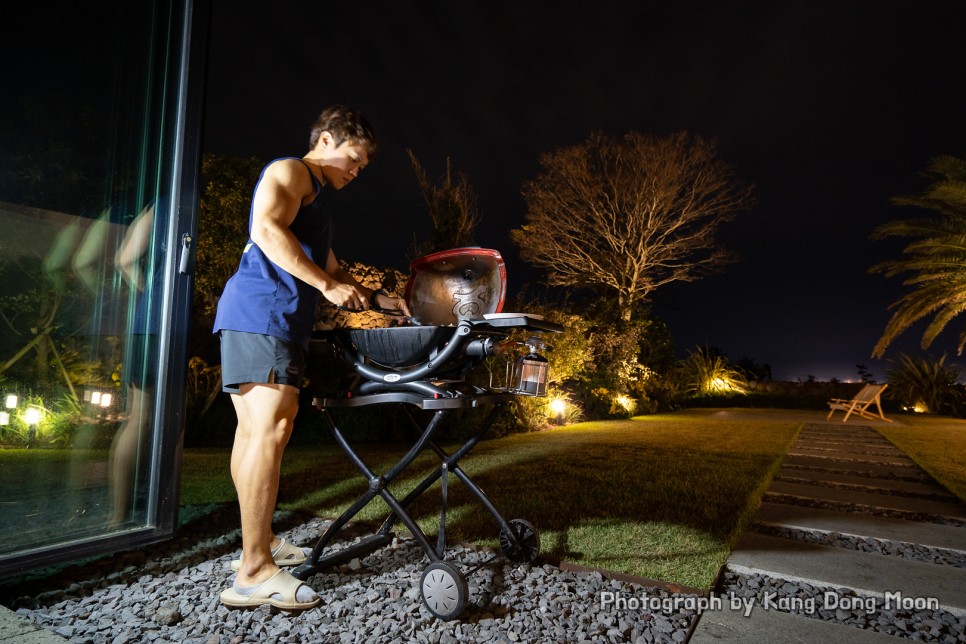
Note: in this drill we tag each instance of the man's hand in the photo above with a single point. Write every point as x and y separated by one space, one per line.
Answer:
388 304
347 296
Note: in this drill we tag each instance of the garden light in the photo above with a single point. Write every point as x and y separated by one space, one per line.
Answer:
558 406
32 415
4 419
11 401
106 400
95 398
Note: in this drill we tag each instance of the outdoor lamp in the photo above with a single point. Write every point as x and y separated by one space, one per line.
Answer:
32 415
4 419
557 406
11 401
106 400
95 398
530 372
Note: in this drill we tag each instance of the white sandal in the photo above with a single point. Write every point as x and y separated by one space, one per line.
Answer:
280 590
285 554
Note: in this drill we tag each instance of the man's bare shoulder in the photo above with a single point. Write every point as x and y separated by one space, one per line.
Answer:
290 175
287 169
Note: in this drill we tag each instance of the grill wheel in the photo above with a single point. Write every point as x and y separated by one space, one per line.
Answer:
444 590
526 536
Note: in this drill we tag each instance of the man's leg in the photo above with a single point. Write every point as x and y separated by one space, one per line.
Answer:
266 413
125 448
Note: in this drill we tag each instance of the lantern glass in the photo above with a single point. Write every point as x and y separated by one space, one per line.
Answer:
530 375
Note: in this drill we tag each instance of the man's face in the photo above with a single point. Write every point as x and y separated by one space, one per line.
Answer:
341 163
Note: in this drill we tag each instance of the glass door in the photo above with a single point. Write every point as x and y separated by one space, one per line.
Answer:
98 165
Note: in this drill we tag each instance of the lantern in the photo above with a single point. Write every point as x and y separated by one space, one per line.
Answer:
531 371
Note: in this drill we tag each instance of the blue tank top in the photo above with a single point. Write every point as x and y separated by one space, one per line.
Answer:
263 298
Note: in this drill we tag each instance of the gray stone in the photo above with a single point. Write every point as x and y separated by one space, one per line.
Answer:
167 615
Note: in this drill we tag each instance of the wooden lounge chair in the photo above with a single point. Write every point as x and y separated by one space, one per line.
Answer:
859 405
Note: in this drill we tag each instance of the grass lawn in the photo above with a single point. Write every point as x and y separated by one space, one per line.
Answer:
661 496
937 443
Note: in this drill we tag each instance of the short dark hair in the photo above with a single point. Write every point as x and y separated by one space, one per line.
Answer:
344 124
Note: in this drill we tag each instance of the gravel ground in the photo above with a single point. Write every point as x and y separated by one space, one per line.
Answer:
845 606
170 594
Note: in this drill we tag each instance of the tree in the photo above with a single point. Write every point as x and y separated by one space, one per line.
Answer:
936 258
864 374
226 197
629 214
452 208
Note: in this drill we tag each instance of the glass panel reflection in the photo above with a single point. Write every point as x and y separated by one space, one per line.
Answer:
79 363
81 266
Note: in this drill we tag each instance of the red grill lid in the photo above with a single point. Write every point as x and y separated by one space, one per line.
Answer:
457 284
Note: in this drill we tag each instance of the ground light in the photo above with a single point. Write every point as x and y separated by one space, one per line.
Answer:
32 416
557 408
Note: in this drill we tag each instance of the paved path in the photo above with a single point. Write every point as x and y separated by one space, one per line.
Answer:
853 542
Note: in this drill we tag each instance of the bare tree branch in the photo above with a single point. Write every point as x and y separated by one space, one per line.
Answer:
629 214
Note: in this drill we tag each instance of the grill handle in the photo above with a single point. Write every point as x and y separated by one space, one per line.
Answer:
460 333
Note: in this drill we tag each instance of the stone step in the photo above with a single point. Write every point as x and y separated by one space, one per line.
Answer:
885 528
908 488
857 467
839 495
863 449
866 573
775 627
885 476
873 439
17 629
878 445
850 433
843 451
895 458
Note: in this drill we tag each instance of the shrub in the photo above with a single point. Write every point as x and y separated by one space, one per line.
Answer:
926 385
708 373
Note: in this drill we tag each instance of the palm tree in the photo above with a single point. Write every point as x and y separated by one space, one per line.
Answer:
936 258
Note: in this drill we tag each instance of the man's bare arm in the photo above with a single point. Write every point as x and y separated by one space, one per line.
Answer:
283 189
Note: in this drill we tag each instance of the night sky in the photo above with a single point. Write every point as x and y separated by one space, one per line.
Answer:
829 108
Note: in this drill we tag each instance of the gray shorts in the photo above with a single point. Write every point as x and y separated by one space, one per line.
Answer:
263 359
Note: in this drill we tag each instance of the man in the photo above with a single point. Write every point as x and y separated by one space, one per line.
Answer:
265 318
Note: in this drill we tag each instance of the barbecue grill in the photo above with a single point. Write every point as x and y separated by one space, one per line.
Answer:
456 299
